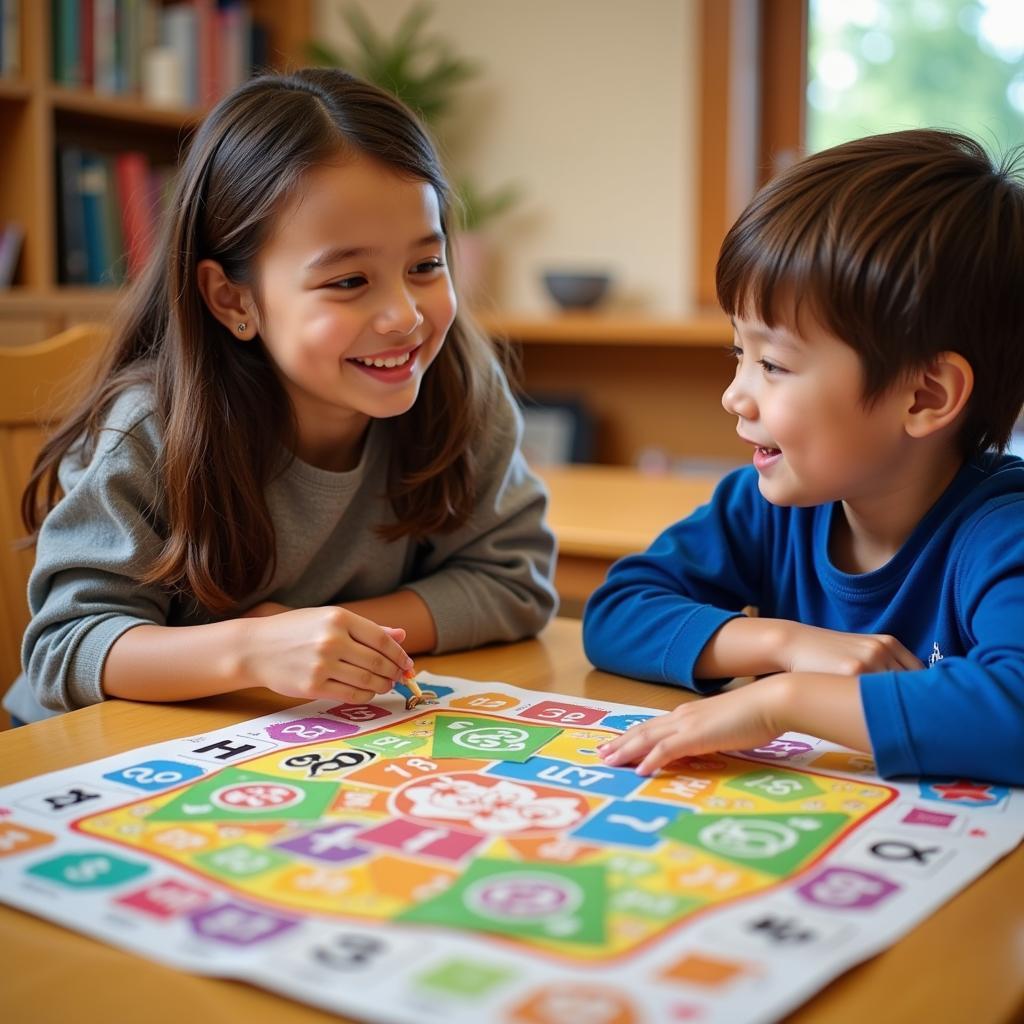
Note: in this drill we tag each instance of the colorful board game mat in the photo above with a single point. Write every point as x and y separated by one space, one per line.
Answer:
473 860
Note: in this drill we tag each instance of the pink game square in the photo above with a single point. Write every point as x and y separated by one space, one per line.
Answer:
165 899
431 841
937 819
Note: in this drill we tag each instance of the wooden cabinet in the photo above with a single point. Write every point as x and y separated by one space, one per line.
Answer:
649 384
36 116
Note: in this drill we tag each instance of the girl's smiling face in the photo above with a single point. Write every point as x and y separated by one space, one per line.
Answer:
355 301
798 399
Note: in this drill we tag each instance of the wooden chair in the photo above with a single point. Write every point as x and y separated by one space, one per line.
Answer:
37 386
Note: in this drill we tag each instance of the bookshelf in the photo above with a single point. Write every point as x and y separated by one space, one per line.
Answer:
40 116
649 384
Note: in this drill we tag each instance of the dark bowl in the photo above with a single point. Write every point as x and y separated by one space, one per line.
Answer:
576 291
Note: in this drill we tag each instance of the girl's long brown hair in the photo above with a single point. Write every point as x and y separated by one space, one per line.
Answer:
222 413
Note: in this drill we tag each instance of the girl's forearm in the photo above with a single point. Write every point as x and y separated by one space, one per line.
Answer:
167 663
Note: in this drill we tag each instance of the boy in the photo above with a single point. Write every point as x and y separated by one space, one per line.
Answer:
877 292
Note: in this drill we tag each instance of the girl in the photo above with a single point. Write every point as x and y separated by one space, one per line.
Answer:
282 475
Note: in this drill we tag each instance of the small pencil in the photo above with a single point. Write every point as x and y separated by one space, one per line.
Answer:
414 687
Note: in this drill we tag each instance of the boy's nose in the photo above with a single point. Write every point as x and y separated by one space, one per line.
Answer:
736 401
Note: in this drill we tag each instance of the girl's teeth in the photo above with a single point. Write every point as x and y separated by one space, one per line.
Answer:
388 363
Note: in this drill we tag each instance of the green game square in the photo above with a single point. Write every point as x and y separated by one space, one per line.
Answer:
388 744
88 870
201 802
773 784
654 906
240 861
524 899
467 736
464 977
773 843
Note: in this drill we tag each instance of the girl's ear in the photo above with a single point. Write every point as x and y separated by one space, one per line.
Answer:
940 394
232 304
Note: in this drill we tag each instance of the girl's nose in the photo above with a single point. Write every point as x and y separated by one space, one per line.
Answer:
399 315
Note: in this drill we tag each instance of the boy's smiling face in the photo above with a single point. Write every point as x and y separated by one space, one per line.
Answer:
798 398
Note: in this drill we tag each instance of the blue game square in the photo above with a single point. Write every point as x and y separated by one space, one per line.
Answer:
629 823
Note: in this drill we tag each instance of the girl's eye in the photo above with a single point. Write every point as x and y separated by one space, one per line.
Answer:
350 283
770 367
734 351
428 266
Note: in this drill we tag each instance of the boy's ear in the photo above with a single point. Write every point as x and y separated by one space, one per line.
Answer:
232 304
940 393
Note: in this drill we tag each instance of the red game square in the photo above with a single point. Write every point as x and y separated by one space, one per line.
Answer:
166 899
563 714
429 840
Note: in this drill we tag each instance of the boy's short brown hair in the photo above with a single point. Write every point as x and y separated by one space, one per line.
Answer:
903 245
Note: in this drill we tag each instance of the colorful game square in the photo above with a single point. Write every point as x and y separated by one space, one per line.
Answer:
484 702
563 902
89 870
389 744
563 714
774 843
309 730
844 888
498 740
583 778
234 924
236 794
428 840
331 844
166 899
963 791
359 714
629 823
462 977
154 776
16 838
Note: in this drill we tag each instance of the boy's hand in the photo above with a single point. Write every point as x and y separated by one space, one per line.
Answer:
813 649
316 653
738 720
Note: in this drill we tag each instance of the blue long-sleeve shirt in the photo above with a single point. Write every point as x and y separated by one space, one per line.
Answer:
953 595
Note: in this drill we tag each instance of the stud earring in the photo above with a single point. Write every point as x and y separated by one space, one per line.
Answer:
241 328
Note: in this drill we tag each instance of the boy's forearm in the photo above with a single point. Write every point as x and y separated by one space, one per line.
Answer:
168 663
819 704
744 646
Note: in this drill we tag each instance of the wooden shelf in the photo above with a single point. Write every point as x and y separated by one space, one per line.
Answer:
702 331
120 109
14 89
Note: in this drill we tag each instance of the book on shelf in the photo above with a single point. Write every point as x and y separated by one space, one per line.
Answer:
12 236
10 38
183 54
109 206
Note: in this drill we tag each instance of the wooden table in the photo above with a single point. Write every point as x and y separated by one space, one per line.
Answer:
965 963
600 513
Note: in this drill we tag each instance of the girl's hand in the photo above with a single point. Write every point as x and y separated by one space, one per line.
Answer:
738 720
813 649
316 653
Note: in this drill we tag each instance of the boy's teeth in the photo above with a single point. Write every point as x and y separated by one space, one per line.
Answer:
388 363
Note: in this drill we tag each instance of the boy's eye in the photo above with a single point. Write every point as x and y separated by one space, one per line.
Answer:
734 351
770 367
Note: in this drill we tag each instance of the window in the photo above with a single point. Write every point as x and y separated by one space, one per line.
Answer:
881 65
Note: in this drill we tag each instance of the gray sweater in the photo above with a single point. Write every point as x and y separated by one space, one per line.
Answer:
490 580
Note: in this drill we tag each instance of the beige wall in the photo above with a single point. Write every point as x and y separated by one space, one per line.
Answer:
591 106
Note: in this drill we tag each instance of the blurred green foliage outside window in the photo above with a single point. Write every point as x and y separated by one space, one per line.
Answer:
882 65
